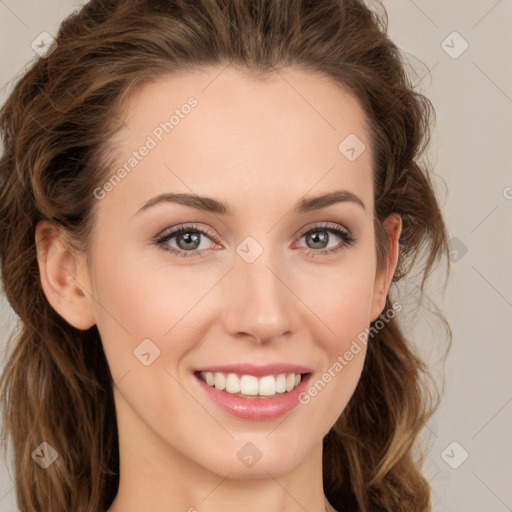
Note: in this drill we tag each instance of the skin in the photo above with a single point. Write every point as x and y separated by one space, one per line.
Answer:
260 147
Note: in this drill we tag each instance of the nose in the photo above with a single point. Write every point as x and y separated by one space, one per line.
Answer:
258 301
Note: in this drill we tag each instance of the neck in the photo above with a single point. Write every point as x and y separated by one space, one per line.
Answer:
159 477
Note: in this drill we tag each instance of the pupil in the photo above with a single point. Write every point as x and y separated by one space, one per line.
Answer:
319 237
188 238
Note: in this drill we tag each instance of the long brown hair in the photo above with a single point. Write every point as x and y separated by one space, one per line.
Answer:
56 125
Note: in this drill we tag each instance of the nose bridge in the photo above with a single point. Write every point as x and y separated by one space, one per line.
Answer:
257 301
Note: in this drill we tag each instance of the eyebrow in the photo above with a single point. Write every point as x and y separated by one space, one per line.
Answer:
211 205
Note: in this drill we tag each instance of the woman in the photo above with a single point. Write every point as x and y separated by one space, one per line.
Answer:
274 144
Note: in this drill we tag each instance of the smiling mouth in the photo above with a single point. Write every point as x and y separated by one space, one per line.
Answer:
250 386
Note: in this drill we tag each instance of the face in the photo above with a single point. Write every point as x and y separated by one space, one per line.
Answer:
269 278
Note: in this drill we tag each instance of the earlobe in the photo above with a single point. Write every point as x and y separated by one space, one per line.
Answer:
393 227
63 276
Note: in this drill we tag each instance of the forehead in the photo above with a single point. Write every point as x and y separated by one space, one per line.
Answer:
291 97
216 129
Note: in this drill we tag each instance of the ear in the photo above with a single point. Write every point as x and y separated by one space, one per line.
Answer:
64 276
384 275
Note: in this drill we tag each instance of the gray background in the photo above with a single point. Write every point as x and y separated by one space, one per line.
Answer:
470 151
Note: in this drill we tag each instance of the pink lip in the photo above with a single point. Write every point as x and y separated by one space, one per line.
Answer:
257 371
266 408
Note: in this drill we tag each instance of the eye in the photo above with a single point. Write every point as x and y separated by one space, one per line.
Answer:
188 240
318 236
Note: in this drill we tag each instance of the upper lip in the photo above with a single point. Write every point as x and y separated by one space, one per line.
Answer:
251 369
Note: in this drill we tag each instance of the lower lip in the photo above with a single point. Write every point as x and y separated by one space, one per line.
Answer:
266 408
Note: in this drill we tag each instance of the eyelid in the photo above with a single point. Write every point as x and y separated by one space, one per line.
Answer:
197 227
212 234
320 225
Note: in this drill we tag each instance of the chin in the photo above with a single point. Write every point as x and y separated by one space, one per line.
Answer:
259 457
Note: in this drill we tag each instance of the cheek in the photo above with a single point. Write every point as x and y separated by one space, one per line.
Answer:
137 300
341 298
347 316
344 306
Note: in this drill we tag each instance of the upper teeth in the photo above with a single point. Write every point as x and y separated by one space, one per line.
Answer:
267 385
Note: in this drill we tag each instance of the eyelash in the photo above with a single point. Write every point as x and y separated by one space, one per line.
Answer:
347 240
